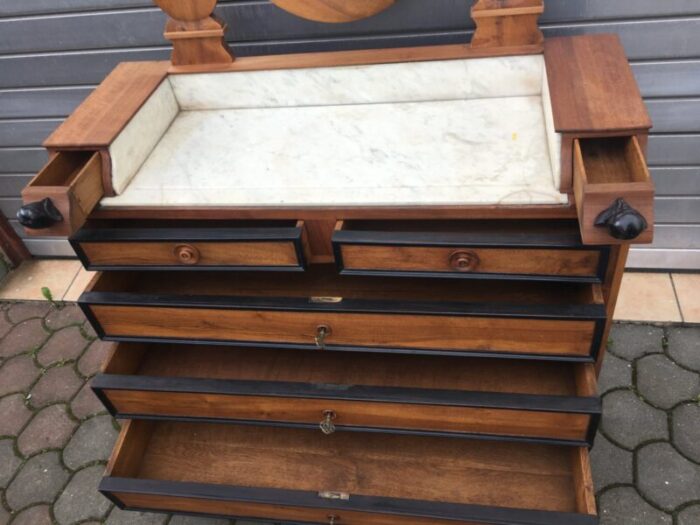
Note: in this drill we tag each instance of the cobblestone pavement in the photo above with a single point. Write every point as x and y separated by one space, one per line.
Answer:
55 437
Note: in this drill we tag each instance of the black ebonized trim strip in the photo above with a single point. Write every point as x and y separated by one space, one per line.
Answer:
368 504
338 348
370 394
296 304
201 234
469 275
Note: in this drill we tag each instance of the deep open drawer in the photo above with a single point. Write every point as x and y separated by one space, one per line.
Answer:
192 245
301 476
516 399
531 250
319 309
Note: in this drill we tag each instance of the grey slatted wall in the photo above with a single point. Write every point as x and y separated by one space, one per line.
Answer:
54 52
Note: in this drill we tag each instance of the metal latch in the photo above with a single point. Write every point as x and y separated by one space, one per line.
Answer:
345 496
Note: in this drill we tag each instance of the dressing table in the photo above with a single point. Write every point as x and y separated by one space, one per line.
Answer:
357 287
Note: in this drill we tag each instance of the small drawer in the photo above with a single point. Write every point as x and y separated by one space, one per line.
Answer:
59 199
318 309
302 476
337 391
192 245
613 190
529 250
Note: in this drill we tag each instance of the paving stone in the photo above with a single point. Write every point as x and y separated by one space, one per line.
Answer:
92 442
5 325
17 374
611 465
58 384
38 515
89 331
666 478
4 515
94 357
193 520
616 373
39 481
685 426
24 337
8 462
19 312
13 414
633 341
50 428
125 517
67 315
628 421
663 383
689 516
86 403
623 506
64 345
80 499
684 346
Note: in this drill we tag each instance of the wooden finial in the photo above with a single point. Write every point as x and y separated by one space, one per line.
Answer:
334 11
507 23
197 36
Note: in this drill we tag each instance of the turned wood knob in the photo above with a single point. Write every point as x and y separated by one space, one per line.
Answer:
187 254
39 215
464 261
622 221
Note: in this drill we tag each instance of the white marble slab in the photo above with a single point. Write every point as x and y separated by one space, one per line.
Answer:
404 82
459 152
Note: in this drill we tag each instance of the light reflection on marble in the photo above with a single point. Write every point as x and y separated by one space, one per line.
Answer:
481 151
381 83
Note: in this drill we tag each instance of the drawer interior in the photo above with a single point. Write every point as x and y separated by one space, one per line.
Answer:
498 474
322 281
613 160
306 366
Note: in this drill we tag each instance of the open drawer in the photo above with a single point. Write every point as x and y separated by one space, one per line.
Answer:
301 476
198 245
529 250
614 191
318 309
59 199
515 399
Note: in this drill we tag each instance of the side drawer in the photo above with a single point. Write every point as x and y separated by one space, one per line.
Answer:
301 476
334 391
320 310
613 190
529 250
59 199
197 245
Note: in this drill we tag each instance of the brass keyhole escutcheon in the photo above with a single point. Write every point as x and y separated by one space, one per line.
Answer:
327 426
464 260
333 520
187 254
322 332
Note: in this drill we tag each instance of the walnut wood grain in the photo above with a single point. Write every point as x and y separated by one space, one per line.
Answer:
592 86
507 23
334 11
105 113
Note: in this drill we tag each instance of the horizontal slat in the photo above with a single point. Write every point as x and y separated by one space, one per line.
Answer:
575 11
26 133
677 181
675 115
679 236
44 102
12 185
49 247
645 258
22 160
668 79
37 7
677 209
674 150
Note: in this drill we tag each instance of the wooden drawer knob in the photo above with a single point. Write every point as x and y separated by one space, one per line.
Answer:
464 261
187 254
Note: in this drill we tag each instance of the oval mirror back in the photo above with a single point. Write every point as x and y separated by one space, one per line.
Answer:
334 11
187 10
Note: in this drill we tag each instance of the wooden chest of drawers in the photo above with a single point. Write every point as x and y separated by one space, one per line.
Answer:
398 320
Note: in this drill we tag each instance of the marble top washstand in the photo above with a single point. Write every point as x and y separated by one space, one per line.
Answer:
456 132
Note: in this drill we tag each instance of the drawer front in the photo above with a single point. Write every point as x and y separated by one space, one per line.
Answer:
331 414
193 248
563 338
468 254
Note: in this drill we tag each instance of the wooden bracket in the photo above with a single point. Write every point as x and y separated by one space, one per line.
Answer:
197 36
507 23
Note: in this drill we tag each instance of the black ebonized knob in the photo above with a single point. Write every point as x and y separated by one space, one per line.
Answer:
622 221
39 215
